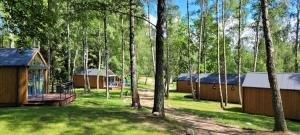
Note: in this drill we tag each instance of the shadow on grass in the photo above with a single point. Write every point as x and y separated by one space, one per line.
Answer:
237 117
89 114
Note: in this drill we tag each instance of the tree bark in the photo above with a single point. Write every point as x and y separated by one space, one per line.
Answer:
150 40
159 78
133 66
84 63
218 53
224 51
69 52
189 51
280 124
106 57
256 44
49 45
74 62
199 51
99 68
99 56
297 38
167 80
239 47
123 55
87 63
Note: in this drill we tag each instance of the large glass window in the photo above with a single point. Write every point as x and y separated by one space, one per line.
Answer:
36 82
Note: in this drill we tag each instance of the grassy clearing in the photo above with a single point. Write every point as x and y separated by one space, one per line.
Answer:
93 114
233 115
89 114
150 83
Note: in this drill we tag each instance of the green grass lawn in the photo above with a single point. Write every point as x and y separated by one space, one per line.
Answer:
89 114
233 114
93 114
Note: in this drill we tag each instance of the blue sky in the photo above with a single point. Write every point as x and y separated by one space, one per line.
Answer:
183 11
182 8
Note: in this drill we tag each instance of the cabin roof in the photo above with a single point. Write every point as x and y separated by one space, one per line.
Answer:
286 81
93 72
17 57
211 78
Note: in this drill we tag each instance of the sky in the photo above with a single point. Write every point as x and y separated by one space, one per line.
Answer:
182 9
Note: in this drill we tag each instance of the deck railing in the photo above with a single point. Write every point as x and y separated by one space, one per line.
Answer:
65 88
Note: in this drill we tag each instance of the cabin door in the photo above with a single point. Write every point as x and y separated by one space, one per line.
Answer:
36 83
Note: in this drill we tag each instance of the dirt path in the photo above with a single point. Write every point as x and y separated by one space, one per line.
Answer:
197 125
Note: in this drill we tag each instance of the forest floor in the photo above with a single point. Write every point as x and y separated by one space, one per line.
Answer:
202 125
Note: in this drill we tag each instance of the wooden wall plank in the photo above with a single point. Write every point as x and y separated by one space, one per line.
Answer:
8 87
259 101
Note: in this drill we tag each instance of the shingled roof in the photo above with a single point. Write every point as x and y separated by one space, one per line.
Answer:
93 72
286 81
16 57
212 78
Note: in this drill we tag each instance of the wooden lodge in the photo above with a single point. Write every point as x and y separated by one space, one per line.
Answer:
114 80
23 77
257 95
209 86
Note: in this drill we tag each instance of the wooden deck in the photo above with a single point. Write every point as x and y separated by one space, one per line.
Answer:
51 99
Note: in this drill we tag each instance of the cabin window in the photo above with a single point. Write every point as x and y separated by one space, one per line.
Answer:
36 78
214 86
36 85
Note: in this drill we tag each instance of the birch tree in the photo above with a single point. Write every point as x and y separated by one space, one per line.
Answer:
256 46
224 51
218 53
189 50
133 66
99 56
239 47
297 38
106 56
200 50
123 55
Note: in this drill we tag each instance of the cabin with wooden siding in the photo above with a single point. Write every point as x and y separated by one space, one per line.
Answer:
209 88
23 75
114 80
257 94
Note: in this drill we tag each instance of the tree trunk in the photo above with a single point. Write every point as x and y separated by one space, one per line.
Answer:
123 55
49 45
99 57
150 40
99 68
218 53
280 124
189 51
199 51
84 63
69 53
159 78
297 38
106 56
87 63
224 52
256 44
167 80
74 62
239 54
133 66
